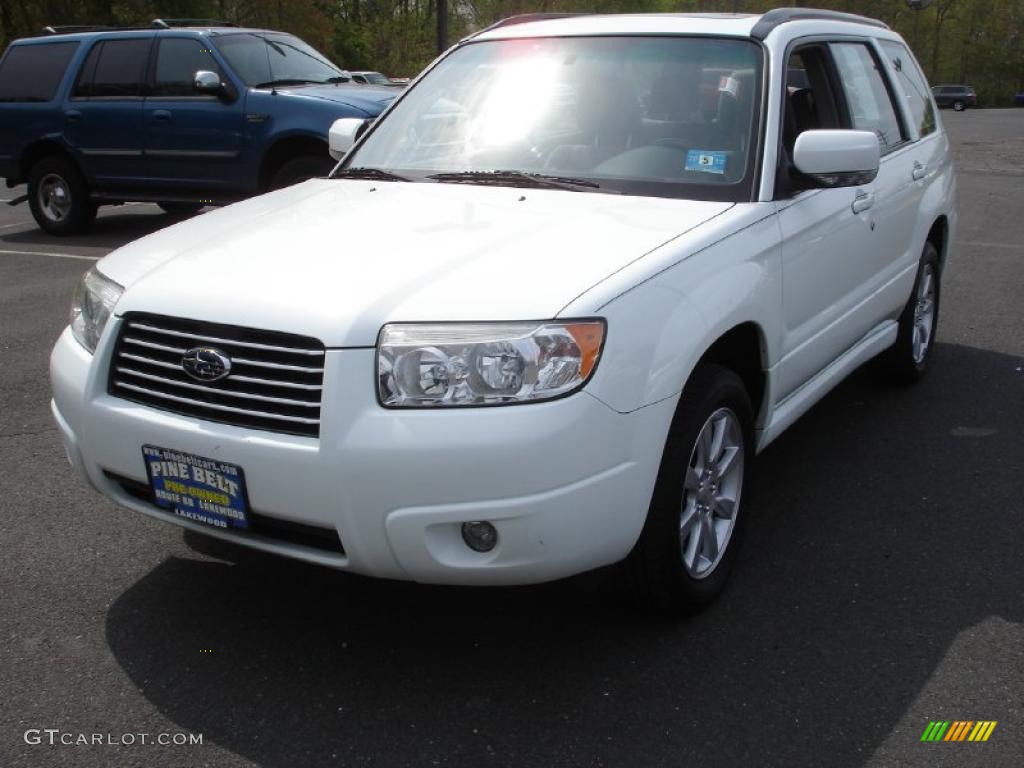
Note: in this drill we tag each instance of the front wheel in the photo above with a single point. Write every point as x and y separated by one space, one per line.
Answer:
689 542
908 358
59 197
300 169
959 106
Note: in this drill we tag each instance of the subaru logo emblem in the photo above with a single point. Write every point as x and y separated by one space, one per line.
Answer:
206 364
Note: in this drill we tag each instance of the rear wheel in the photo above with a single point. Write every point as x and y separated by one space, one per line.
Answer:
300 169
180 209
59 197
959 106
908 358
689 542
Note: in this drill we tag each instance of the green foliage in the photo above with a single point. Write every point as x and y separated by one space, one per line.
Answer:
977 42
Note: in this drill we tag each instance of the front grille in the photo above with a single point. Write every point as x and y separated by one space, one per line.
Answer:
275 384
260 526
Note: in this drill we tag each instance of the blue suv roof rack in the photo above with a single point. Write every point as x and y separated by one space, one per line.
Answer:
171 23
68 29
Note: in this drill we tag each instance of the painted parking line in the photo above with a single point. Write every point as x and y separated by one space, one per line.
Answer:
51 254
15 224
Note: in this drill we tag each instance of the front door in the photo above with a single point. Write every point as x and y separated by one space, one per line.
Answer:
193 140
841 246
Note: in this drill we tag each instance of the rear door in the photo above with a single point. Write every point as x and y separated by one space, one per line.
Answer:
103 117
193 140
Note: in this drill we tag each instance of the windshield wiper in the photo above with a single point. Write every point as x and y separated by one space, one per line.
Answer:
377 174
289 81
515 179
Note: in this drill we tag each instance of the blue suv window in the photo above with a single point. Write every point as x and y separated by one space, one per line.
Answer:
177 61
264 60
33 72
114 69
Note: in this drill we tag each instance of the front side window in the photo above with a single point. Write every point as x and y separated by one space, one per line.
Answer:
177 61
912 86
264 60
114 69
871 107
660 116
33 72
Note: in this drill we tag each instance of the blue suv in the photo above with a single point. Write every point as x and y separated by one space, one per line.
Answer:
182 114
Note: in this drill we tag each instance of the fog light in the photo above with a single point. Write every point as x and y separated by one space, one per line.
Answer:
479 535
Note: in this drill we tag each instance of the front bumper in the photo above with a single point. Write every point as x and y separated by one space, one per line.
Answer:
566 483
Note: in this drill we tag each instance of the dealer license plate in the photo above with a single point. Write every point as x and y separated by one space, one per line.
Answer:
196 488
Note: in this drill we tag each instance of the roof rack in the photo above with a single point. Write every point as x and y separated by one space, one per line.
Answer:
526 18
170 23
66 29
778 16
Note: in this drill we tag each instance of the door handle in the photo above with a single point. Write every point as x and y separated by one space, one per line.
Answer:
863 201
162 114
73 115
919 171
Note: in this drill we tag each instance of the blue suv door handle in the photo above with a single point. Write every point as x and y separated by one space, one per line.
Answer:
161 114
72 115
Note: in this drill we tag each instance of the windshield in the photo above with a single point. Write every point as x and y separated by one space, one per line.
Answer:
275 59
662 116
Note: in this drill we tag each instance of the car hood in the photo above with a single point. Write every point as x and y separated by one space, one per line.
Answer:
337 259
369 98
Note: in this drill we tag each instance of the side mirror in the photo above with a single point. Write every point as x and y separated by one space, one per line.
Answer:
837 158
343 135
205 81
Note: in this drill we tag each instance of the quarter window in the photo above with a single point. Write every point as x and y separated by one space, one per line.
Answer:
868 99
33 72
177 62
911 85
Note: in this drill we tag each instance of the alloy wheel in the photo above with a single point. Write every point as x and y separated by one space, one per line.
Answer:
924 314
54 197
711 493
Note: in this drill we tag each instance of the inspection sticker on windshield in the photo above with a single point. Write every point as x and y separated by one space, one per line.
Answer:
203 490
706 161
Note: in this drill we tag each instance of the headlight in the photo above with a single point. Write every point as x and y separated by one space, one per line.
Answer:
433 364
94 300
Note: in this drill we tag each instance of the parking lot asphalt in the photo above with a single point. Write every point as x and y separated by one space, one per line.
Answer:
881 584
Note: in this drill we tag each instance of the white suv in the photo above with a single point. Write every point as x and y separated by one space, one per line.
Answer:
541 316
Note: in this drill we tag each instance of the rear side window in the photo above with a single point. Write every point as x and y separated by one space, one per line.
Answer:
114 68
871 107
910 83
177 62
33 72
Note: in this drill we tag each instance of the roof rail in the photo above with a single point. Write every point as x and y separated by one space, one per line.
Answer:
526 18
170 23
66 29
778 16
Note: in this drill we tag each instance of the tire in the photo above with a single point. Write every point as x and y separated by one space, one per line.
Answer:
907 359
300 169
59 197
669 570
959 106
181 209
